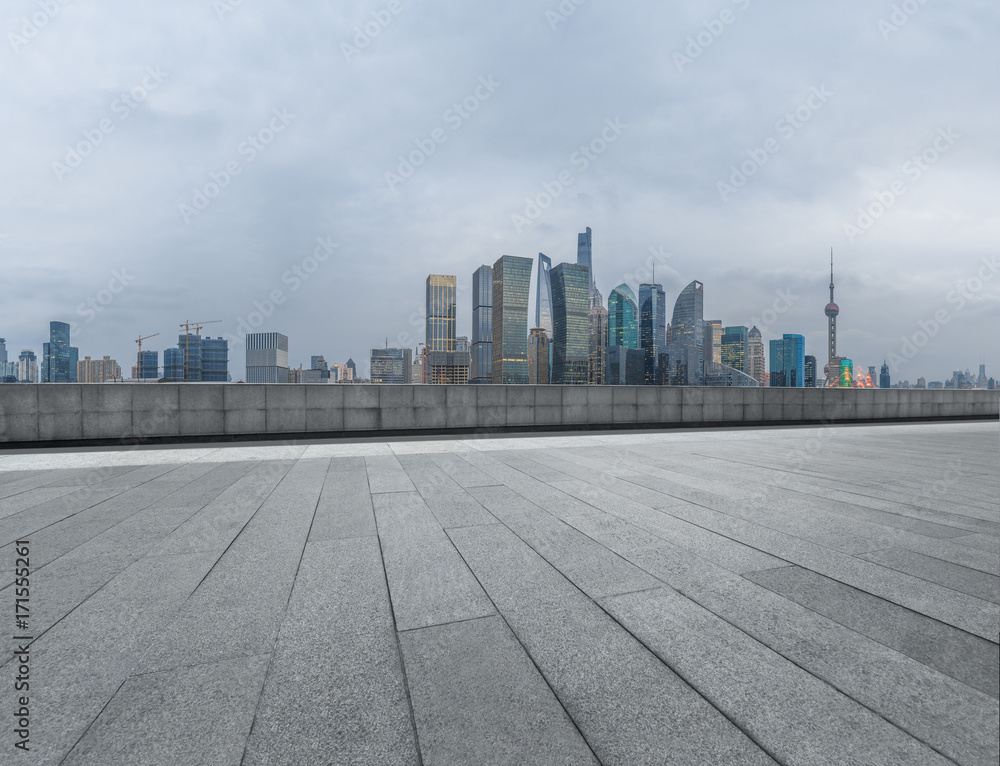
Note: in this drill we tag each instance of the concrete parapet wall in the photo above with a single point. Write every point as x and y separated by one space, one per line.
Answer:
105 413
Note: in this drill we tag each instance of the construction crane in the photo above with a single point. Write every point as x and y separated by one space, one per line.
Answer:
139 340
187 338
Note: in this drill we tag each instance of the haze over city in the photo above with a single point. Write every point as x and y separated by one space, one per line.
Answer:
637 121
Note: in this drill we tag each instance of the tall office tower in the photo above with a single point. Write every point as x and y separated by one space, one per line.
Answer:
448 367
570 324
215 360
482 325
596 299
267 357
543 294
318 363
652 326
3 350
735 348
883 378
511 282
27 366
788 361
173 365
584 257
921 381
598 345
758 368
417 370
623 318
670 333
74 358
635 367
538 357
810 372
982 380
190 344
56 357
149 365
833 366
614 371
391 366
350 365
97 370
712 341
440 323
687 329
8 372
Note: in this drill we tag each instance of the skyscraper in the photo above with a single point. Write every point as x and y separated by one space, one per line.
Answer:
215 360
598 344
440 323
687 329
833 366
391 365
173 365
511 283
652 327
571 324
97 370
623 316
758 368
3 350
191 346
810 371
788 361
27 366
712 342
883 378
735 348
543 294
538 357
149 365
56 356
267 357
584 257
482 325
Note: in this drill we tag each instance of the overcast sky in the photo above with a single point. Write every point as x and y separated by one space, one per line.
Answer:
117 115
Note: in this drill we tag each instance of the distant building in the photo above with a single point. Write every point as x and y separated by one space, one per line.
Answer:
598 344
543 294
758 367
680 358
27 366
571 324
190 344
3 350
97 370
623 318
318 363
585 257
350 365
390 366
687 330
417 370
215 360
538 357
57 356
615 368
440 321
635 366
173 365
810 368
788 361
734 348
511 284
652 327
885 382
921 382
148 365
713 341
267 357
482 326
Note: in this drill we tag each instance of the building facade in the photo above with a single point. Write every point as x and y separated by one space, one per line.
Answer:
758 366
652 327
267 357
97 370
543 294
623 318
885 382
788 361
27 366
712 341
585 257
735 348
571 324
538 357
58 362
215 360
511 284
810 371
687 330
390 366
482 326
440 322
598 344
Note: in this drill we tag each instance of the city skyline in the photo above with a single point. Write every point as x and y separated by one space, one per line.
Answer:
108 247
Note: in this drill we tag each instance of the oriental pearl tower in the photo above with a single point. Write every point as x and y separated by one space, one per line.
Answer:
832 368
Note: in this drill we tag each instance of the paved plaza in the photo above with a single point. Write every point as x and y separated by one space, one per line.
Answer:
808 595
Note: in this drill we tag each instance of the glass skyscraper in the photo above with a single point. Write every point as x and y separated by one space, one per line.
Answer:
598 343
482 325
758 368
810 372
57 359
267 357
736 348
543 294
623 315
173 365
149 365
571 324
511 283
712 341
652 327
788 362
687 329
190 344
584 257
440 324
215 360
391 365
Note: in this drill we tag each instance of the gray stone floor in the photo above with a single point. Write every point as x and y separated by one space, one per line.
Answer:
794 596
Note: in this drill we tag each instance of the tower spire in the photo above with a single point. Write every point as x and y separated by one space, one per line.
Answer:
831 275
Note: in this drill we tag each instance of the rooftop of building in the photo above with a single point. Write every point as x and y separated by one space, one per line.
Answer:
810 595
